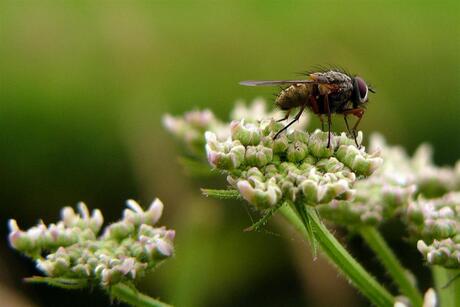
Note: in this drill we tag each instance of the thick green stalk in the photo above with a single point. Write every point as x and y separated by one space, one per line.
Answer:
456 286
356 274
131 296
391 263
293 219
447 288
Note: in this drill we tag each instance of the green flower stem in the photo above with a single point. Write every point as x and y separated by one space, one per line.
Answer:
358 276
455 286
447 289
289 214
389 260
129 294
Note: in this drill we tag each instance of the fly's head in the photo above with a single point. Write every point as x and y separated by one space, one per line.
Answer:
360 91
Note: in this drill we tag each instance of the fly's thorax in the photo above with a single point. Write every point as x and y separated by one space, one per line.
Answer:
293 96
331 77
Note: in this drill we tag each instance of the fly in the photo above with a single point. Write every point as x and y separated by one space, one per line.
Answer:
323 93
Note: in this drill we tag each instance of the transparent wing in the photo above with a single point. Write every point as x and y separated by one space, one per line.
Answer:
275 82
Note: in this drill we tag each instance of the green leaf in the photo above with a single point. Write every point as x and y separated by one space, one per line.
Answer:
301 208
264 219
221 194
130 295
60 282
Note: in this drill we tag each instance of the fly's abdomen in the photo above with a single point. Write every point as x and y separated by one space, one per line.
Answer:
293 96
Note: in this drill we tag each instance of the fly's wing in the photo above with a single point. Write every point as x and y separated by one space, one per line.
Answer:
331 77
275 82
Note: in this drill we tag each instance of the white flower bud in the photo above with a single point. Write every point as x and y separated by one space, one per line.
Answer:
318 144
224 155
422 247
247 134
297 151
97 220
164 248
258 155
19 239
153 214
430 299
133 205
83 209
68 216
262 195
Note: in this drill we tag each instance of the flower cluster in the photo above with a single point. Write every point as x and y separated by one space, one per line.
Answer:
295 165
431 180
389 190
441 252
71 248
378 197
436 218
437 223
298 165
190 127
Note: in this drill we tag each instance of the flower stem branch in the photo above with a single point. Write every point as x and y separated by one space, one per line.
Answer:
129 294
389 260
289 214
357 275
455 286
331 247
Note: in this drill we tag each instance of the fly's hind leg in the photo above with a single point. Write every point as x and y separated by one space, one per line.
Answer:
296 118
286 116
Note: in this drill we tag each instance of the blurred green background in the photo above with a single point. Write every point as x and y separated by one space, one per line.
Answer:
83 86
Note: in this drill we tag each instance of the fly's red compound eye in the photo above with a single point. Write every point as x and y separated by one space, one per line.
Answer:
362 88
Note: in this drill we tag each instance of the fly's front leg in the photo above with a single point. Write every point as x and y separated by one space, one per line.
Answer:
346 123
359 114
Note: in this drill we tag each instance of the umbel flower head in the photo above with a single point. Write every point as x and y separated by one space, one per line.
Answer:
378 197
294 166
71 248
389 190
431 180
436 222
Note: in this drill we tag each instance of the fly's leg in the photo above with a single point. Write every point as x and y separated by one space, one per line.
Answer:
356 127
315 109
296 118
329 119
346 123
322 122
359 114
313 104
285 117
